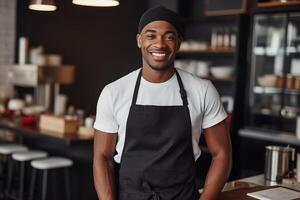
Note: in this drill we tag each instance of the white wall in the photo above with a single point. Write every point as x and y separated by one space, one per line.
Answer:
7 40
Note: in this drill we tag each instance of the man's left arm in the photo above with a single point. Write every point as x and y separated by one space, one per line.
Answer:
219 145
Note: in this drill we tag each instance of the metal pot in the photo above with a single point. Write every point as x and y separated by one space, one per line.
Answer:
279 162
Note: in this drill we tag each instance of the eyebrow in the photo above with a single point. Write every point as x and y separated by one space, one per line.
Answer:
154 31
150 30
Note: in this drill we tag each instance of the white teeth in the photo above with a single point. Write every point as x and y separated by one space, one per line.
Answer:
159 54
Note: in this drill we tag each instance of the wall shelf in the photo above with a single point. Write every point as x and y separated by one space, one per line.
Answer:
277 4
208 50
229 79
274 90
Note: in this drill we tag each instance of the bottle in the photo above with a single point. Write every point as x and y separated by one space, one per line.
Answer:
232 38
213 40
226 38
80 116
297 83
219 38
289 81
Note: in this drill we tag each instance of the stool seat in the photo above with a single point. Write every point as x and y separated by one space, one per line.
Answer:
51 163
6 149
29 155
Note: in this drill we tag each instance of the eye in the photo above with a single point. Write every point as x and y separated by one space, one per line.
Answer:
150 36
170 37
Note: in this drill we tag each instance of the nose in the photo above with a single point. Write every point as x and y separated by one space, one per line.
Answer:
160 43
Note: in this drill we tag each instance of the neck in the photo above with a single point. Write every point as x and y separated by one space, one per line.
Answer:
157 76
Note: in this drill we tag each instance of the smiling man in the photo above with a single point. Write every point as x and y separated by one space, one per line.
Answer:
153 118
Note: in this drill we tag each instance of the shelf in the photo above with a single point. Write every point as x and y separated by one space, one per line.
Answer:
277 4
266 112
268 51
211 78
220 79
270 135
208 50
287 112
266 90
270 113
274 90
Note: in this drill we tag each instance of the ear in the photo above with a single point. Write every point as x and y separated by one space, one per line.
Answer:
138 40
179 42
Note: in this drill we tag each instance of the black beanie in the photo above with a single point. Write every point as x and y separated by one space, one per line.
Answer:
161 13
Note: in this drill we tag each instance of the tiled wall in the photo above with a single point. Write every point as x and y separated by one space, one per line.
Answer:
7 39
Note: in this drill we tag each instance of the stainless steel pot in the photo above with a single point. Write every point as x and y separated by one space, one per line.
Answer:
279 162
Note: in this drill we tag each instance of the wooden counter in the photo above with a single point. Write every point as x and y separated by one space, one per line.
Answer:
236 190
35 133
80 150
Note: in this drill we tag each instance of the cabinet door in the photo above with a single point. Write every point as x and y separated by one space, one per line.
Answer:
292 61
275 71
267 70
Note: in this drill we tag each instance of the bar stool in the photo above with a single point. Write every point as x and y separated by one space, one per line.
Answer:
23 158
52 163
6 150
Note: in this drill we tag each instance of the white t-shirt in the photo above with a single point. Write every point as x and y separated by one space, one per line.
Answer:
113 105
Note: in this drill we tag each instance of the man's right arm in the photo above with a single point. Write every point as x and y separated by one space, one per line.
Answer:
103 166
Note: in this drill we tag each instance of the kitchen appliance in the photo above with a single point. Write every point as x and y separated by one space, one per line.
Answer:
279 162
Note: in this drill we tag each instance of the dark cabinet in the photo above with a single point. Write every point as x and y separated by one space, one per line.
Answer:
274 84
272 96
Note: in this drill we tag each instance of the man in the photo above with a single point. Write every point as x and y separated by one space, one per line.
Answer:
153 118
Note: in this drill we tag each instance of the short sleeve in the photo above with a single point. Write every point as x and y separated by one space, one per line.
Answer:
213 108
105 120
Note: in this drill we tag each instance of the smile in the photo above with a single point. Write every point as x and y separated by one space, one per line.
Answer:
159 54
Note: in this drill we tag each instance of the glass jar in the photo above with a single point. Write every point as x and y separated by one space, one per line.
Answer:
289 81
297 83
279 81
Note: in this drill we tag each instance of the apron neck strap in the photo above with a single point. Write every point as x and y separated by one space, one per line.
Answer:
136 88
182 90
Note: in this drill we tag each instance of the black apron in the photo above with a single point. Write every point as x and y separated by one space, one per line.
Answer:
157 162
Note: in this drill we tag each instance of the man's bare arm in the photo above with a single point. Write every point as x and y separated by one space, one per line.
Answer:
103 166
218 142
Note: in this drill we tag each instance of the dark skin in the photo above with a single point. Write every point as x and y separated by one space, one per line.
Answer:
159 42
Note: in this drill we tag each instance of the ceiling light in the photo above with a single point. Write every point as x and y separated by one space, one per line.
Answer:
97 3
42 5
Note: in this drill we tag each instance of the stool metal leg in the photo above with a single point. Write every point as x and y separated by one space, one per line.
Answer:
22 174
67 182
9 177
32 184
44 189
4 172
54 189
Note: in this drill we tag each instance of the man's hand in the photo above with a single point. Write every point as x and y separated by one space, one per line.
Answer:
219 145
103 166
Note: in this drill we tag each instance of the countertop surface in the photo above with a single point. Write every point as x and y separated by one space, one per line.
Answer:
238 189
36 133
270 135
